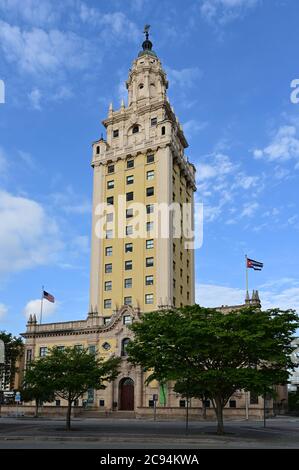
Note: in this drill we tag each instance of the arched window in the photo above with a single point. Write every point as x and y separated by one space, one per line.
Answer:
135 129
163 130
141 86
124 345
98 149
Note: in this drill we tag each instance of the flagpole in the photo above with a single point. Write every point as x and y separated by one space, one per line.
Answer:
246 264
41 306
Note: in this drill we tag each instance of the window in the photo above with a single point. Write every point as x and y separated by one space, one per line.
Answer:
173 283
57 402
130 196
150 158
135 129
149 244
106 345
182 403
108 268
151 403
109 234
232 403
174 301
124 345
128 247
128 300
108 251
109 217
110 169
154 121
28 355
43 351
150 208
149 226
188 295
173 247
149 262
98 149
149 280
130 163
149 298
115 133
150 175
109 200
129 229
108 285
181 290
173 196
102 402
127 320
60 348
107 320
207 403
173 179
150 191
181 272
128 265
188 263
254 399
181 256
107 303
128 283
163 130
173 265
188 279
110 184
129 213
92 349
130 179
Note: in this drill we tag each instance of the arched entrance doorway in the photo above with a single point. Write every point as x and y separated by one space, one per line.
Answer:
126 394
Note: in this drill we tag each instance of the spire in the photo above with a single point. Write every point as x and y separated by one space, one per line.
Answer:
247 298
147 44
110 109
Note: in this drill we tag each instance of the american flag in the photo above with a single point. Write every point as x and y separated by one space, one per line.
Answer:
49 297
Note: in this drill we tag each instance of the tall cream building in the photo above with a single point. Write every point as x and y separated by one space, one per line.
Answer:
141 161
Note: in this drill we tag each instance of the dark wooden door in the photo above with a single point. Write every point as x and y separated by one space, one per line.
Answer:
127 394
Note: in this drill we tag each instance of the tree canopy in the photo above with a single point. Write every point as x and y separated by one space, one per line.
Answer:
13 349
69 373
212 354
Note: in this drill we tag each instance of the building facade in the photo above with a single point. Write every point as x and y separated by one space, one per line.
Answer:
141 253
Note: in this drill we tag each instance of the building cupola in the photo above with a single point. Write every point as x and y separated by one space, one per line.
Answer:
147 44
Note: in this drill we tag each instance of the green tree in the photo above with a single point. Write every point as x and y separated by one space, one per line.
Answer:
70 372
211 354
13 350
35 386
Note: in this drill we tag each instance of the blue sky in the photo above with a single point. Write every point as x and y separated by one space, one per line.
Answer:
230 64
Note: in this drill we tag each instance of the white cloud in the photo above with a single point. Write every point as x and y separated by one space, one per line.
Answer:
38 51
192 127
284 146
218 165
32 11
213 295
33 307
27 159
70 202
249 209
184 78
28 236
34 98
224 11
3 310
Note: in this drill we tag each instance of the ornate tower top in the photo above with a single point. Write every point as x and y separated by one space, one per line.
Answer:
147 44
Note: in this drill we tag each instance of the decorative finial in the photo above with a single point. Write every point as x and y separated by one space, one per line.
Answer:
122 103
146 30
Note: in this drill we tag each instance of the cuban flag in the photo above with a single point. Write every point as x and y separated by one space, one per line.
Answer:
256 265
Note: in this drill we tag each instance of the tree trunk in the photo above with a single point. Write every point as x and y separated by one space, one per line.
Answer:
68 415
204 409
36 408
219 415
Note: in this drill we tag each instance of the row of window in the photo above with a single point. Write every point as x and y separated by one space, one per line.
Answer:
135 128
150 175
130 163
149 244
128 283
130 196
149 263
129 231
148 299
